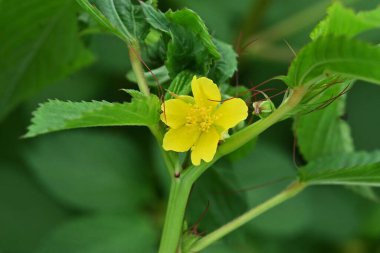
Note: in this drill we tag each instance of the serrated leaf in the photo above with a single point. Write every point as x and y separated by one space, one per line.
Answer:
121 17
349 58
358 168
155 17
181 84
191 47
101 234
58 115
344 21
225 67
324 132
37 48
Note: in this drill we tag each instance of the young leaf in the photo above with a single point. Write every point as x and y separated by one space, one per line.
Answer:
155 18
181 84
323 132
225 67
191 47
358 168
38 48
347 57
121 17
343 21
57 115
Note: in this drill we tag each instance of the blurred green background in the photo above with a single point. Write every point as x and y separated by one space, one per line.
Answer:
104 190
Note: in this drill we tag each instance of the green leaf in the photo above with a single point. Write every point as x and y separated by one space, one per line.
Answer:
358 168
347 57
225 67
92 171
324 132
121 17
155 17
343 21
57 115
27 214
191 47
37 48
181 84
101 234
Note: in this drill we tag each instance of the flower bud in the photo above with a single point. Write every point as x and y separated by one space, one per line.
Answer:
263 108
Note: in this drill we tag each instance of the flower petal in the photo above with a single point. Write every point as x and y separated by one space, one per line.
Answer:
174 112
205 147
181 139
205 91
230 113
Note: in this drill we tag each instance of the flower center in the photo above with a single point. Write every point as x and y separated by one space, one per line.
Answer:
203 117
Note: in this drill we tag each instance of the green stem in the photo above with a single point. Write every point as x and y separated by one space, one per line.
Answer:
171 235
181 186
290 192
245 135
135 57
240 138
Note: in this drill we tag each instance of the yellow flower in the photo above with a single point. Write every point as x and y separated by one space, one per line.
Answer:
199 122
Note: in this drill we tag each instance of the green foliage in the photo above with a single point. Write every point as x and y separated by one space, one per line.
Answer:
58 115
347 57
101 234
191 47
342 21
334 50
97 179
48 48
225 67
121 17
107 178
324 132
181 84
358 168
155 18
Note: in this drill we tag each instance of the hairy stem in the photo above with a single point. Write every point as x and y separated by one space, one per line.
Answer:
245 135
171 235
288 193
180 189
134 56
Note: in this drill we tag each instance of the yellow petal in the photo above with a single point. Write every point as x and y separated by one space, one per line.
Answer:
205 147
230 113
181 139
205 91
174 112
